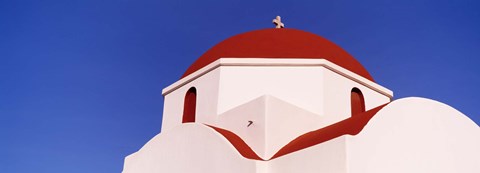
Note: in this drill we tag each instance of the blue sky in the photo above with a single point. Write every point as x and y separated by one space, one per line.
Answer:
81 80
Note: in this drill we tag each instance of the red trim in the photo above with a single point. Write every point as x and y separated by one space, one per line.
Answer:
350 126
279 43
238 143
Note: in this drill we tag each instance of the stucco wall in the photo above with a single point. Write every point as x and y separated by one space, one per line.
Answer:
275 123
207 98
416 135
188 148
301 86
305 83
337 91
328 157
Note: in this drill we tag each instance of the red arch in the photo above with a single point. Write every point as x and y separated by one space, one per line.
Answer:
189 106
357 101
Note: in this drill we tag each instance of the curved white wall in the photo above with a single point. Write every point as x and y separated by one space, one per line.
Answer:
188 148
407 135
416 135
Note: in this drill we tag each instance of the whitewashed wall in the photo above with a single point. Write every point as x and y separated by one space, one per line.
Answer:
188 148
207 100
416 135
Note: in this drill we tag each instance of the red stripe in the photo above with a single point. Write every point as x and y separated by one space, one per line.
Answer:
238 143
350 126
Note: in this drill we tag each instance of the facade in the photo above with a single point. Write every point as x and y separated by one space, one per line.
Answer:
285 100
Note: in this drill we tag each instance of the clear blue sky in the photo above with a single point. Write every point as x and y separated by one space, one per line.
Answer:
81 80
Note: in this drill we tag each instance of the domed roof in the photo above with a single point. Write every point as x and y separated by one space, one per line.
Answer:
279 43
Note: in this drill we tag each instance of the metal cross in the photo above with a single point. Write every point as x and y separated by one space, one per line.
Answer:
278 22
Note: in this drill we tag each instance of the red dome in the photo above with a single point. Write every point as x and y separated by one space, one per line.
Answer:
279 43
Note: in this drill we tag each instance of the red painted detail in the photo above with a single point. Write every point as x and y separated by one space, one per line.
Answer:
189 106
350 126
238 143
279 43
357 102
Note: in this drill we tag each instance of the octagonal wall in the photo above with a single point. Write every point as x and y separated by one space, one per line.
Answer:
313 87
337 92
316 85
206 100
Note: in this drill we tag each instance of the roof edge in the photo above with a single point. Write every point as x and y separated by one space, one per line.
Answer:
278 62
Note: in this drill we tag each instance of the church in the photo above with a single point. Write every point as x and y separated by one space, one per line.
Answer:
284 101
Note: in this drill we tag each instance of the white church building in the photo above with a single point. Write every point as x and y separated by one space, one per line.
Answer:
288 101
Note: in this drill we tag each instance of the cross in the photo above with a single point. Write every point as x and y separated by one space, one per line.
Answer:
278 22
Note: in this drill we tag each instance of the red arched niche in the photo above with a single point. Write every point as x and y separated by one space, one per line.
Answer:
357 101
189 106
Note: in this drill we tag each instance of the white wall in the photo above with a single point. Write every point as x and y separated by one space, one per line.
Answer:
275 123
328 157
408 135
315 89
323 94
188 148
337 92
305 83
301 86
416 135
207 98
